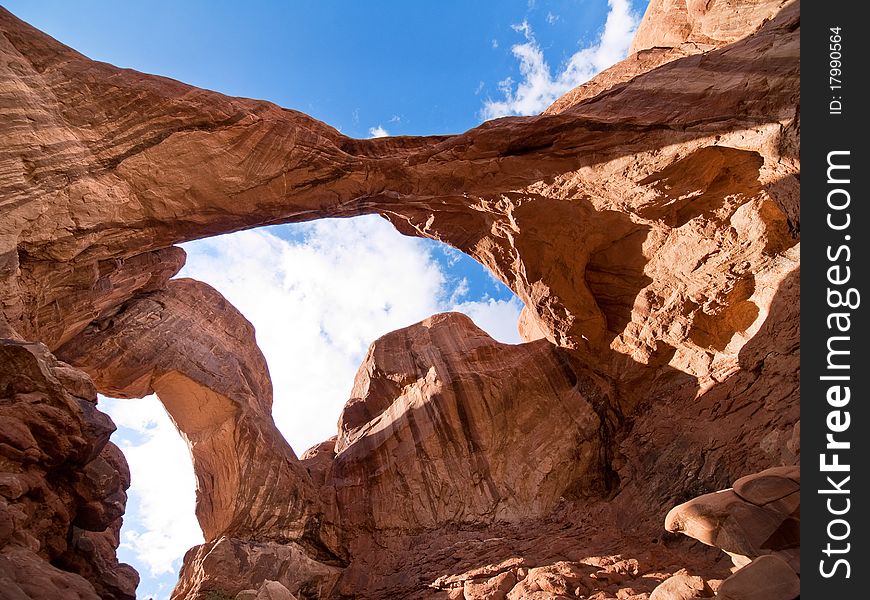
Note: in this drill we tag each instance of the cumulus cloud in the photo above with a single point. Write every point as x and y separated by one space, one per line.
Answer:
378 131
539 87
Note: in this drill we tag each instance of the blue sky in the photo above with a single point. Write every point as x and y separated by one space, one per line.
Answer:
354 65
319 293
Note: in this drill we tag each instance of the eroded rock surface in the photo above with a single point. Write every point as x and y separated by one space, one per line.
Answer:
649 220
447 426
62 483
682 586
766 578
760 515
228 567
587 187
216 387
757 523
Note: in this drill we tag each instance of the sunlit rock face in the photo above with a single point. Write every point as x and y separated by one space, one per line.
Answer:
445 425
648 220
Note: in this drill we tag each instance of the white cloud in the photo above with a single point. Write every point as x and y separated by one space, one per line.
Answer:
459 292
317 303
551 18
523 28
497 317
451 254
160 524
539 88
494 43
378 131
317 299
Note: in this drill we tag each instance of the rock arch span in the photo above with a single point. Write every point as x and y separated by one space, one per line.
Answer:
650 229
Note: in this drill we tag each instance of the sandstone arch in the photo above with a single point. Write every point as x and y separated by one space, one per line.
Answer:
650 229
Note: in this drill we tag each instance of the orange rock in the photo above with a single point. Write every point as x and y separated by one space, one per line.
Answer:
555 581
62 486
674 23
442 412
216 387
772 485
761 515
765 578
494 588
230 566
648 220
726 521
269 590
525 196
682 586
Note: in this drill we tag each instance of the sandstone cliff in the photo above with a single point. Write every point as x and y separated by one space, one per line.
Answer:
649 220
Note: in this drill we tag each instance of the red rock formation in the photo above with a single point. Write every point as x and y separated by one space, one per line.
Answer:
447 426
648 220
760 515
765 578
62 483
228 567
526 196
682 586
215 385
700 24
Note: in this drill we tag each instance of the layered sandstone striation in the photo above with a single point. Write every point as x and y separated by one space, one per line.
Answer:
445 425
757 523
649 220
